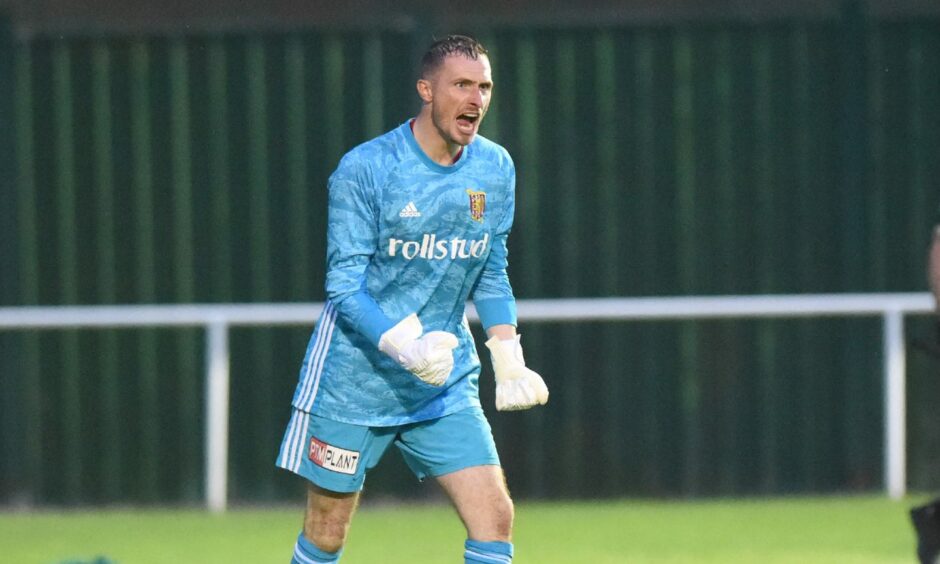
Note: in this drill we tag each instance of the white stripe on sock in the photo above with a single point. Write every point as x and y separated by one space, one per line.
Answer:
304 559
500 558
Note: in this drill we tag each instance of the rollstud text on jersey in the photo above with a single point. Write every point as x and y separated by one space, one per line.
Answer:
432 248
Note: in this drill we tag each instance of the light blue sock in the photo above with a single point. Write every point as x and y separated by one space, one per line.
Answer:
479 552
305 552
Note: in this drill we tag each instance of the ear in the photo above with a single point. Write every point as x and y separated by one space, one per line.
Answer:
425 91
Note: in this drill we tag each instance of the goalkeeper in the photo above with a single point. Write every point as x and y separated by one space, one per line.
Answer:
418 222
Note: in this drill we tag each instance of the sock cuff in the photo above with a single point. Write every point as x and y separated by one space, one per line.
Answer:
305 552
493 552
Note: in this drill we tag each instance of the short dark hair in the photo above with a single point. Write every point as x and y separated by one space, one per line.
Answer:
447 46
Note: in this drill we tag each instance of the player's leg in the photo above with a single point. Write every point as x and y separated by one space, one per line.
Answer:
482 500
326 524
334 458
459 452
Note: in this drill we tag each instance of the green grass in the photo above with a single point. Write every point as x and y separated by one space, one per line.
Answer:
837 530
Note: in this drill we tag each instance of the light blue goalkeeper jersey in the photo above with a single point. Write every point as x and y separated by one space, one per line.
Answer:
407 235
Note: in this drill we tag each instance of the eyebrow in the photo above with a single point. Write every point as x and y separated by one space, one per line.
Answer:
481 82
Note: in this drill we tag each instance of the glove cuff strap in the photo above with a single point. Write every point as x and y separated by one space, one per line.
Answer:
505 351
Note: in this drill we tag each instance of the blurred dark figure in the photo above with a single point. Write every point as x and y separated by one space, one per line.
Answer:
926 518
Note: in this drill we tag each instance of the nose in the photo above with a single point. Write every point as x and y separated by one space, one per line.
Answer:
476 97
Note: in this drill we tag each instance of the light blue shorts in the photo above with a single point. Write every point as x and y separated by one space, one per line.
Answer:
336 456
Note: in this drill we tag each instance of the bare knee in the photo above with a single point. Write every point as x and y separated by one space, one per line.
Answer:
503 515
482 500
326 533
327 518
494 520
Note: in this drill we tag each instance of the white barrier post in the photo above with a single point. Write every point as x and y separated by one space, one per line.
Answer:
895 413
217 411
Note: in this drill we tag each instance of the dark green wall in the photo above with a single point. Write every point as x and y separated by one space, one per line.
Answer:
724 158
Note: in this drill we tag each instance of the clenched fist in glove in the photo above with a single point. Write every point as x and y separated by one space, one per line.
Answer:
517 387
430 357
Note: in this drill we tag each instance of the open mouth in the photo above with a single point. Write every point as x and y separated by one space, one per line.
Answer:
468 120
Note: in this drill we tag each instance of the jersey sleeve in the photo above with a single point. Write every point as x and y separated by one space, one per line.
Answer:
492 293
352 241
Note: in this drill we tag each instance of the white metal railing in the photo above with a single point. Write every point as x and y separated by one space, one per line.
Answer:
218 318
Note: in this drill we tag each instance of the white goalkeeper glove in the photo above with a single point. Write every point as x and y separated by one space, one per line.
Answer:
430 357
517 387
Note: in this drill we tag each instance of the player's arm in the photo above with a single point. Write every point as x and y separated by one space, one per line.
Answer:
517 386
352 241
492 294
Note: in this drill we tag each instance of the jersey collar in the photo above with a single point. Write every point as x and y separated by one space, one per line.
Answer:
409 135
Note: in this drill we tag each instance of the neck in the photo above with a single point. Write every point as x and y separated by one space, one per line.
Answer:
431 140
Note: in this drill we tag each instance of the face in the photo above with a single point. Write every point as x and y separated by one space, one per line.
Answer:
459 95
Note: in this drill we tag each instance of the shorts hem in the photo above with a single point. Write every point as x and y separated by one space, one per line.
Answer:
451 468
320 482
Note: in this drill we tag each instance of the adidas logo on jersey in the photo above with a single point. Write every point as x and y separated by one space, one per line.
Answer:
409 211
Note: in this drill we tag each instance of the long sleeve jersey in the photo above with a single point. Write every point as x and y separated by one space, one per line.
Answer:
407 235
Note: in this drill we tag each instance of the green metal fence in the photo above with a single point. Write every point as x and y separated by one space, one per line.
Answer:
727 158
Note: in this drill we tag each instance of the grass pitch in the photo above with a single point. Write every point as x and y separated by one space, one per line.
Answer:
837 530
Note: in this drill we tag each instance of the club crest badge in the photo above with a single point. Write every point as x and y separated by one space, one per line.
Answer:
477 204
